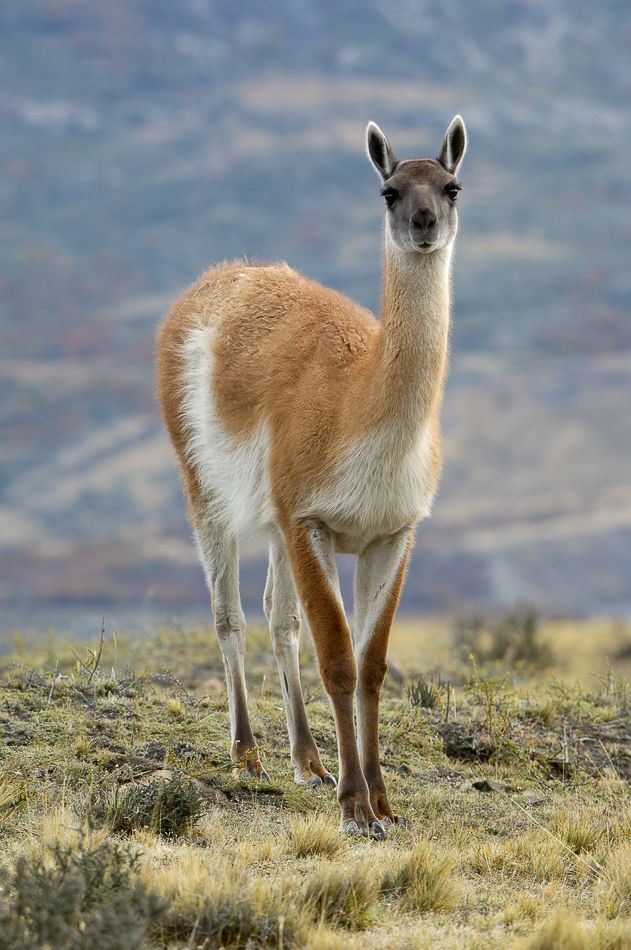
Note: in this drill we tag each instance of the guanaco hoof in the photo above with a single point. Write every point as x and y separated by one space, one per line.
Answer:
261 776
395 820
360 825
310 780
378 831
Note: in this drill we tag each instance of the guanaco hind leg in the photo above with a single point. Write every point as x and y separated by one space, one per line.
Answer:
282 610
220 559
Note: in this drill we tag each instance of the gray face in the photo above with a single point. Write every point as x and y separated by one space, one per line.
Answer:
420 194
421 199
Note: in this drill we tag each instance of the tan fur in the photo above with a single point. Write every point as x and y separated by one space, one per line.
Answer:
320 369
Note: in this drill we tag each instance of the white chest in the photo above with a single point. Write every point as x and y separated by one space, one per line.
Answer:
377 489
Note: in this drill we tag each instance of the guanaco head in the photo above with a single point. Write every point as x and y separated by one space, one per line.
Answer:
421 193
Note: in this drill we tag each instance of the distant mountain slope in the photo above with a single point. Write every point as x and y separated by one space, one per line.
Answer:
149 139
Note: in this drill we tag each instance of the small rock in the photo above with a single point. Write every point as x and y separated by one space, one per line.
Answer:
459 744
533 798
486 785
433 776
211 792
404 770
158 775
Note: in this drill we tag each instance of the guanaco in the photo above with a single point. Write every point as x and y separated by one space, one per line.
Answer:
293 411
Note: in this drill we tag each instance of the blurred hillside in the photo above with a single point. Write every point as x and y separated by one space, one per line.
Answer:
144 141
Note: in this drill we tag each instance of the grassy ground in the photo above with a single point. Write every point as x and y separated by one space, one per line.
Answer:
507 747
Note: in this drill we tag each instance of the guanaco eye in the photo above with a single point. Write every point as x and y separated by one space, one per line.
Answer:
390 196
452 192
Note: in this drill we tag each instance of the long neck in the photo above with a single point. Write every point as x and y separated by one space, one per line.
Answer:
411 351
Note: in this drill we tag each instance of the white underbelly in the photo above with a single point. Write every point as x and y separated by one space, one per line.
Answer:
233 473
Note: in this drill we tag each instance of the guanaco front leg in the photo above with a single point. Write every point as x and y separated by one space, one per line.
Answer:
378 581
312 553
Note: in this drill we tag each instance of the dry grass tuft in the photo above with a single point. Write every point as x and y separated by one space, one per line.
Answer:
82 746
613 935
313 834
615 886
561 932
213 903
323 938
175 707
583 830
59 828
423 880
533 854
13 798
258 850
527 908
343 896
565 932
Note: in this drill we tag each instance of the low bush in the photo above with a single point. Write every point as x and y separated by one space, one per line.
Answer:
513 642
76 900
169 808
424 694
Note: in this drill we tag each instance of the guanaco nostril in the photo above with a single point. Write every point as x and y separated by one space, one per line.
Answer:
424 219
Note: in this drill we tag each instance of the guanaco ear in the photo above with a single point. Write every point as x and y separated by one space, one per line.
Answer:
454 146
379 152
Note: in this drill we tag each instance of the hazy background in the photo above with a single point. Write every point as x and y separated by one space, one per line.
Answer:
144 139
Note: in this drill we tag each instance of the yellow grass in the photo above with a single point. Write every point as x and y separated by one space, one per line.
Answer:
541 861
311 835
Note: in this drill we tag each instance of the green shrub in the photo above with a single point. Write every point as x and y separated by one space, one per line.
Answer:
513 641
424 694
167 808
84 899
